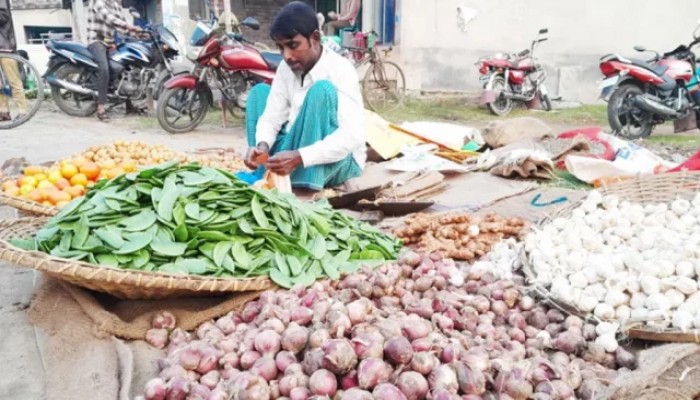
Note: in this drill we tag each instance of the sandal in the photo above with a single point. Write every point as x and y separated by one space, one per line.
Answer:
102 116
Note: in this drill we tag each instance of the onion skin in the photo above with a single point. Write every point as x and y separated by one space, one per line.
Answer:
387 391
371 372
299 393
155 389
157 337
164 320
398 350
323 383
356 394
413 385
339 356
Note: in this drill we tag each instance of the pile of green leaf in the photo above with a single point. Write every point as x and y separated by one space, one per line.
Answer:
203 221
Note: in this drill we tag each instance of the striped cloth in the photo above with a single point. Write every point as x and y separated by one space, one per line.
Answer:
104 18
317 119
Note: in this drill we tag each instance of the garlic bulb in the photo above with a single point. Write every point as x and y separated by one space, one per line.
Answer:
638 300
680 207
623 313
675 298
606 327
682 320
604 311
608 342
650 284
657 301
685 268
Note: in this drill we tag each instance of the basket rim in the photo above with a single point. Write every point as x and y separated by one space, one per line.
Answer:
27 205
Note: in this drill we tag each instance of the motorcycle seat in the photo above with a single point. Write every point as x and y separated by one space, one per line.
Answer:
75 47
657 69
272 60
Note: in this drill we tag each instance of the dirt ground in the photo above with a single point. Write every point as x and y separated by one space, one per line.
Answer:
52 135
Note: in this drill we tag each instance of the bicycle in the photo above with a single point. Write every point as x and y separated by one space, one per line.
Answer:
32 87
384 84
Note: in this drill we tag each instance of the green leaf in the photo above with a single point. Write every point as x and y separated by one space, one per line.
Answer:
207 249
111 238
139 222
318 249
179 214
166 248
24 244
228 264
281 279
343 233
192 211
245 227
214 236
172 268
167 201
281 264
193 265
81 232
107 260
331 271
69 208
136 242
341 257
331 245
240 255
66 240
295 266
239 212
195 179
220 251
315 269
180 233
259 213
113 204
305 279
141 258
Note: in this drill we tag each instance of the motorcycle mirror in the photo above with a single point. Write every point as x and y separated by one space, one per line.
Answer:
543 31
640 48
251 23
134 13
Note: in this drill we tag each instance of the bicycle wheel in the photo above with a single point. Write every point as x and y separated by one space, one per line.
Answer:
21 90
384 86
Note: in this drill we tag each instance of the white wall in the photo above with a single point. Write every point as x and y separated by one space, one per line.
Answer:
38 17
436 55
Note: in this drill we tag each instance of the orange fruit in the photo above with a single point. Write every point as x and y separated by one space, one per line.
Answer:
33 170
69 170
36 195
79 179
45 185
114 172
62 204
28 181
54 175
12 191
41 177
57 196
25 189
47 203
8 184
90 170
108 164
74 191
62 183
80 161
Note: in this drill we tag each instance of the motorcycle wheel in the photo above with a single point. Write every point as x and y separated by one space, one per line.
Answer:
625 119
75 104
501 106
546 102
164 76
180 109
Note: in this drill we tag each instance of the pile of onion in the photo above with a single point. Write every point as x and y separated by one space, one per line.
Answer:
422 328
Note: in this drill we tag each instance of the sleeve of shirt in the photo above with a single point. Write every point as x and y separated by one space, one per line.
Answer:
350 134
110 17
276 110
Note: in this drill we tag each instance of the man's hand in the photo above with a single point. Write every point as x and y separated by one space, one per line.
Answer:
134 28
257 156
284 163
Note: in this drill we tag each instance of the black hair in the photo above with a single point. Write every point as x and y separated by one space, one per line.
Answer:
296 18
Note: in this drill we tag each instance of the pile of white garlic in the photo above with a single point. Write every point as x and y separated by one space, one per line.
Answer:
621 260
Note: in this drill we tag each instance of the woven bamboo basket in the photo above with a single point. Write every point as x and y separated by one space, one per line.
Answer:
643 190
125 284
28 207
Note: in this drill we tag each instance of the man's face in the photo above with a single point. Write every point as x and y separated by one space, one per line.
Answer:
300 53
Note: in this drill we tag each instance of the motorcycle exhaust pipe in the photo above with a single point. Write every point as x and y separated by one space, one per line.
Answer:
70 86
514 96
652 106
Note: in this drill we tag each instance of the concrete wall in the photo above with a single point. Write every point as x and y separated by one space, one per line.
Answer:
38 17
437 55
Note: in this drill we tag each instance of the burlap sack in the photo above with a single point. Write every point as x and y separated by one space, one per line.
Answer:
504 132
670 371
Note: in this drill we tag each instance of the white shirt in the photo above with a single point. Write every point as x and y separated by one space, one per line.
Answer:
287 96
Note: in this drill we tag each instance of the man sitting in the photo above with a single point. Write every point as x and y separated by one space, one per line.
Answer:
345 19
311 120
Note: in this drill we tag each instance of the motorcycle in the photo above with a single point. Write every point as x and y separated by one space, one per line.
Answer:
513 77
137 67
230 62
642 94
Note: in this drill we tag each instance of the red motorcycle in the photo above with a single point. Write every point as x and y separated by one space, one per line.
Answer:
230 62
642 94
513 77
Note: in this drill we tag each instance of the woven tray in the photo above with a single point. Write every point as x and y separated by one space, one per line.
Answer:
643 190
27 207
125 284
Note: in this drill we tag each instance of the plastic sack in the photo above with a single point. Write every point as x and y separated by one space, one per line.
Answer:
271 180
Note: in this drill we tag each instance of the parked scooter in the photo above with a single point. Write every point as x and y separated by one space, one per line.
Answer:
642 94
513 77
229 61
136 67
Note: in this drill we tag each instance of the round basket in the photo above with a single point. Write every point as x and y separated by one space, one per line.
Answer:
643 190
125 284
28 207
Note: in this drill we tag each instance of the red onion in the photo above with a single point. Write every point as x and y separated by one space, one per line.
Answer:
358 310
443 322
229 373
415 328
179 336
318 337
231 359
218 394
538 319
413 385
198 392
470 381
443 394
369 344
178 388
251 311
283 359
499 307
477 362
356 394
588 331
443 377
339 356
472 286
273 324
163 320
511 297
323 383
253 388
481 303
625 359
398 350
313 359
569 342
590 390
265 367
190 356
450 352
516 334
556 316
210 379
299 393
173 371
209 360
553 329
517 321
371 372
155 389
226 324
248 358
526 303
267 343
157 337
349 380
289 382
302 315
387 391
339 324
409 258
424 362
295 338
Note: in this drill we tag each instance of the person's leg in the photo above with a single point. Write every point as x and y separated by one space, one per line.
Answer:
11 70
317 119
255 105
332 27
4 99
99 54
